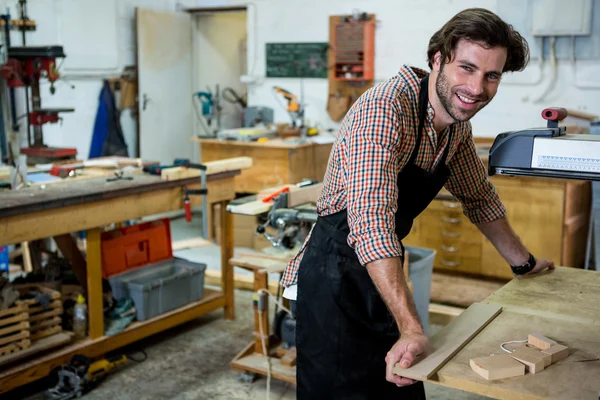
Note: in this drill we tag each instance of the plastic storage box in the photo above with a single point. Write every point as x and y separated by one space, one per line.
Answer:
138 262
420 270
159 288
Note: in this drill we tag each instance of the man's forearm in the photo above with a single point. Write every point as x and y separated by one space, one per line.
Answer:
505 240
389 280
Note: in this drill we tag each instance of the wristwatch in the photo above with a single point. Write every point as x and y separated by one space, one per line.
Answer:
525 268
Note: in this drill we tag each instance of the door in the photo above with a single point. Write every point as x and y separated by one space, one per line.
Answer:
164 60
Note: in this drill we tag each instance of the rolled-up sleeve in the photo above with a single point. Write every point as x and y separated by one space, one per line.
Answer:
372 169
469 183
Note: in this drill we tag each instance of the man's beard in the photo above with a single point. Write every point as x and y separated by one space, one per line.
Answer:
445 94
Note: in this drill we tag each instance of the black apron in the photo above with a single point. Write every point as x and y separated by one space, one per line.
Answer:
343 328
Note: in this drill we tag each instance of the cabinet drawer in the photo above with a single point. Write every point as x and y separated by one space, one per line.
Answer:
469 265
448 222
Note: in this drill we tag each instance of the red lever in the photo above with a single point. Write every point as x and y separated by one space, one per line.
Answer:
554 114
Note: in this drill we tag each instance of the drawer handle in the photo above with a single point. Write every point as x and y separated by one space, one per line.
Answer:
449 263
449 249
448 204
450 234
451 220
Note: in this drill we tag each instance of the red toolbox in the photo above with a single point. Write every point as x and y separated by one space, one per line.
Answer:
135 246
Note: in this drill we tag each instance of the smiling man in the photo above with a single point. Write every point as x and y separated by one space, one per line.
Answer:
399 144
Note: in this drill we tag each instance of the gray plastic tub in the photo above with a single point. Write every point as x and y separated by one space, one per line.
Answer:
161 287
420 271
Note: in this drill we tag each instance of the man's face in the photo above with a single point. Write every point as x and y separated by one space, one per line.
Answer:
468 83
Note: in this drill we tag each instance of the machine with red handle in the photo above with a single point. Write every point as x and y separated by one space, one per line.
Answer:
546 152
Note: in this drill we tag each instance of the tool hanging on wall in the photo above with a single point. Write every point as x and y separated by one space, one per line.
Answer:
208 110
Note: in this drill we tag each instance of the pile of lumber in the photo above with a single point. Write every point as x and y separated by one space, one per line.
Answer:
14 329
45 320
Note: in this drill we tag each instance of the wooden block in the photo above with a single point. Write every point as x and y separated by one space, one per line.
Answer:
533 363
537 353
497 367
557 352
540 341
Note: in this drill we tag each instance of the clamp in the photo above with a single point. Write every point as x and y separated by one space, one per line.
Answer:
203 191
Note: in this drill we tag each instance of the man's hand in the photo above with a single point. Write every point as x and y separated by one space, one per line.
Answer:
540 267
405 351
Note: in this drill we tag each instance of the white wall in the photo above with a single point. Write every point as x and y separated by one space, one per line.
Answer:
401 38
221 59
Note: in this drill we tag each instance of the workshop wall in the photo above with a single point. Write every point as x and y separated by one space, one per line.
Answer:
98 37
402 36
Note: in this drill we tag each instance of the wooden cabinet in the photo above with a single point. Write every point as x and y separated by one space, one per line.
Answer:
275 162
549 215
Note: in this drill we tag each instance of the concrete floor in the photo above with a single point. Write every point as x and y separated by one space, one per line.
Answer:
192 361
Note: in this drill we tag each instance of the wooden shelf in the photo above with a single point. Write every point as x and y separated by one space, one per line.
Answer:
250 361
40 367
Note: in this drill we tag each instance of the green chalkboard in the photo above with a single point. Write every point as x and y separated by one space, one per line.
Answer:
297 60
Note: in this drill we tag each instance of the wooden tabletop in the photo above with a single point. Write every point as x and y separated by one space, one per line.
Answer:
82 191
563 305
272 143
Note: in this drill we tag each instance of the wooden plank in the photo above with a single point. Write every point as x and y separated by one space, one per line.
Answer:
453 337
255 207
189 243
258 262
226 240
39 346
48 314
304 195
259 364
37 309
14 328
17 309
5 351
95 300
14 338
45 324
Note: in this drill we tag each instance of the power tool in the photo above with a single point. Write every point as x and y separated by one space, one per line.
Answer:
81 375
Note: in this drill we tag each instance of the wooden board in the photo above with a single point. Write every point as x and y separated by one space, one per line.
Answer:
212 167
572 378
79 192
447 342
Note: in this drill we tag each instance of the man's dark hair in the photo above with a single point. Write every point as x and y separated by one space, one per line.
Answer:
482 26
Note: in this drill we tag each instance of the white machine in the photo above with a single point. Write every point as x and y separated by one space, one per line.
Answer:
546 152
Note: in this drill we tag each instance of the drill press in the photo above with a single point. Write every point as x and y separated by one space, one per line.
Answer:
25 67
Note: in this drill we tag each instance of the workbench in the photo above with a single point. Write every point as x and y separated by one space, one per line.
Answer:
36 213
275 162
565 306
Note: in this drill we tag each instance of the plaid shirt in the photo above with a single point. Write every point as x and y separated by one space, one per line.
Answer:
374 143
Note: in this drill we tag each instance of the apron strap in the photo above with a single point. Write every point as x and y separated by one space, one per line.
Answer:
423 102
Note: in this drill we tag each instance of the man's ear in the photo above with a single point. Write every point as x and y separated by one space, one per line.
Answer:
437 60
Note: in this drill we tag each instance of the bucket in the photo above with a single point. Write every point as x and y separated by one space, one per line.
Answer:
420 271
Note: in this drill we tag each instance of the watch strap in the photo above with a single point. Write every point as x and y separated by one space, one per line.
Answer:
525 268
